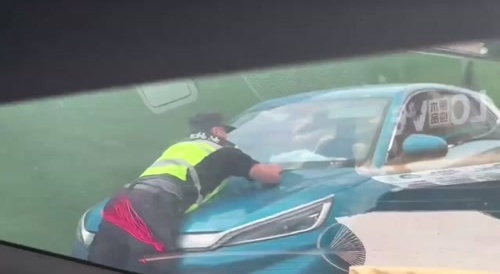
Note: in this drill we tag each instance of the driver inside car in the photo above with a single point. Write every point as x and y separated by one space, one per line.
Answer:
354 147
313 130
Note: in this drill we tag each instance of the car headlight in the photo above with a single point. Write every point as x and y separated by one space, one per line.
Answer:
82 234
297 220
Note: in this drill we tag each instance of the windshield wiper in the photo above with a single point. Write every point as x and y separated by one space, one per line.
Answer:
331 163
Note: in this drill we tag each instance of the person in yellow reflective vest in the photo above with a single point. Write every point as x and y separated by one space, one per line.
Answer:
145 217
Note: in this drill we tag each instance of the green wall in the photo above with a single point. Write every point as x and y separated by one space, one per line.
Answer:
62 155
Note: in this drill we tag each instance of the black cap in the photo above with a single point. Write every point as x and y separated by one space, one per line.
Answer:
207 121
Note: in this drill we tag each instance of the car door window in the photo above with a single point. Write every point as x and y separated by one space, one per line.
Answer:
456 117
466 117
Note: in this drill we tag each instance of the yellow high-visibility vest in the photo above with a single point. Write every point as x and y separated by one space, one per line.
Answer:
179 159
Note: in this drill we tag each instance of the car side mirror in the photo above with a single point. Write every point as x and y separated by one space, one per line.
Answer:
423 145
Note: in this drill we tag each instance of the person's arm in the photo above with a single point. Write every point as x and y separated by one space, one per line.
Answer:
239 164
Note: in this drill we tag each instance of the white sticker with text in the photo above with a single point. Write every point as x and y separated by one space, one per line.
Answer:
451 176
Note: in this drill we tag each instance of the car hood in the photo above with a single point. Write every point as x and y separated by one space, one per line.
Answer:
243 201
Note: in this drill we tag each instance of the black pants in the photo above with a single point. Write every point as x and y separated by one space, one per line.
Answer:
114 247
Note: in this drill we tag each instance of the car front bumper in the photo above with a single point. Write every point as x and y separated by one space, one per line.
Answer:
294 255
265 264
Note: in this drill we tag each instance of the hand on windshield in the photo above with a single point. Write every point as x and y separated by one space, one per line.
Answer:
266 173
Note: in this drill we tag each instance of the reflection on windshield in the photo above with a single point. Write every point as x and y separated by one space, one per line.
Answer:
313 131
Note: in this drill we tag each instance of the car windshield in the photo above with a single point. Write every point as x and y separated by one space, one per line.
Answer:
315 131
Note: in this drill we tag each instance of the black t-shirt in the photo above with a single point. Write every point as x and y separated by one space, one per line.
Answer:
217 167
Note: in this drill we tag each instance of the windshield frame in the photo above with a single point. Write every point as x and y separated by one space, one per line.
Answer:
372 148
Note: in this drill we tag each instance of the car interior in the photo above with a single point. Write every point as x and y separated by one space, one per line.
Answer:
58 48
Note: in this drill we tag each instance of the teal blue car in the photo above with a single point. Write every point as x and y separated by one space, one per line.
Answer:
372 173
